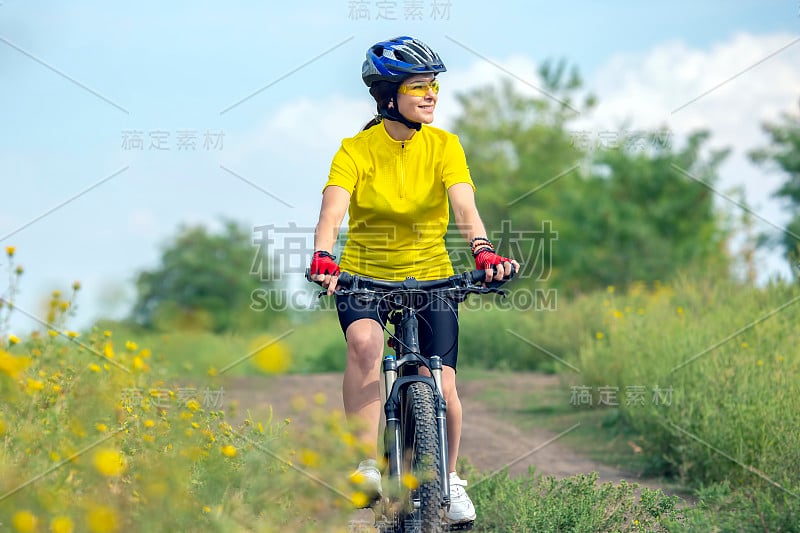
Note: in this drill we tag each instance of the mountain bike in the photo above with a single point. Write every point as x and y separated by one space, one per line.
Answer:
415 434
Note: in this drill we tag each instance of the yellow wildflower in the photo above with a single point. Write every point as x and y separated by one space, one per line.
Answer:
52 333
228 450
760 362
101 519
109 462
95 368
359 500
319 398
102 428
410 481
132 346
24 521
13 339
72 334
108 350
11 365
309 458
145 353
35 385
206 509
138 364
270 356
599 335
62 524
10 251
149 423
56 294
193 405
106 333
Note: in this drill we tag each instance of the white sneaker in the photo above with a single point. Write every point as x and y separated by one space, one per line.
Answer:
367 478
461 509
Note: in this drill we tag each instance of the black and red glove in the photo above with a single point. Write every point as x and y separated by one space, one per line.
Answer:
324 263
485 258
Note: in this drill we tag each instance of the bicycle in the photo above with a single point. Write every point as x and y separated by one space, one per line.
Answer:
415 434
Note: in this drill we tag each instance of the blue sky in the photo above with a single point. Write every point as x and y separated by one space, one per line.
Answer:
78 77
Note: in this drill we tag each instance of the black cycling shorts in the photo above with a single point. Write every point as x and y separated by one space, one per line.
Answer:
438 322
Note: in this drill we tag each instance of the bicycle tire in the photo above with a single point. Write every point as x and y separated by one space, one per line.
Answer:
421 445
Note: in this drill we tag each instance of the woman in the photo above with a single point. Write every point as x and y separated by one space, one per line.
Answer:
397 180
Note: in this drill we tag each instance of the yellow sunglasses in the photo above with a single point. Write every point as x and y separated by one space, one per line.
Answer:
419 88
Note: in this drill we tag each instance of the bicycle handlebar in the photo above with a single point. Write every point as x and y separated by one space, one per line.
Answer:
466 280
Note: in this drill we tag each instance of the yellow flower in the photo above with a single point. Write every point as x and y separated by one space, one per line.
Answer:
319 398
760 362
193 405
102 428
309 458
780 359
10 251
145 353
679 310
109 462
11 365
55 457
108 350
599 335
19 270
610 289
62 524
52 333
149 423
13 339
24 521
138 364
56 294
132 346
101 519
228 451
106 334
206 509
95 368
359 499
410 481
35 385
76 285
72 334
617 313
56 388
745 345
270 356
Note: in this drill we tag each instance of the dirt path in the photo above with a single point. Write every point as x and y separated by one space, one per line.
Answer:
489 441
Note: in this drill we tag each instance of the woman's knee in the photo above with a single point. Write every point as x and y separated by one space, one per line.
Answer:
364 343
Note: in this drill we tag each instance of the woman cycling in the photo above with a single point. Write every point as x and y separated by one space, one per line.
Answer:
397 180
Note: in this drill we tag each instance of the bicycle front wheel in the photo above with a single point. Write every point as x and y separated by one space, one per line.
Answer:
422 459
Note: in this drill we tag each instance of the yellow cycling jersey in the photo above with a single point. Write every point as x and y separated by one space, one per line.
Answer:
398 211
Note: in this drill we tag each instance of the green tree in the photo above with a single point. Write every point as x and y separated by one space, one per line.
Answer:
635 212
203 281
784 154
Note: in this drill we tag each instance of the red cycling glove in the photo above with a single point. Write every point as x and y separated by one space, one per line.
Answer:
324 263
486 259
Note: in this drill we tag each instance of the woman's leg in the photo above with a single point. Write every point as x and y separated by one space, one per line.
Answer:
361 384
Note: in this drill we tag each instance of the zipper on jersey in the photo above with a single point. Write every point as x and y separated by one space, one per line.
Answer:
402 169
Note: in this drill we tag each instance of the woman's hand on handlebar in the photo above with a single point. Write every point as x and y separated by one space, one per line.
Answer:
324 270
497 267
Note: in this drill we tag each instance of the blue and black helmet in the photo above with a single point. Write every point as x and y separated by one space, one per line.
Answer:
397 59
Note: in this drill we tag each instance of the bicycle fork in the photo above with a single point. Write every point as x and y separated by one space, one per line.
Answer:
408 327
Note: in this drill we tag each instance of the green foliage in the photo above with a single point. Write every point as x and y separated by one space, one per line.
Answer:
622 215
203 282
728 353
575 504
784 154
